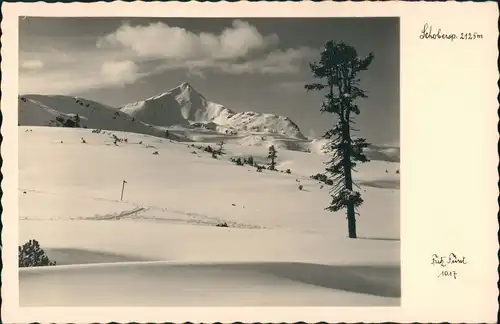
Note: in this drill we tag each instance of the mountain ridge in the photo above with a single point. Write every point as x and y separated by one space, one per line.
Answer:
192 114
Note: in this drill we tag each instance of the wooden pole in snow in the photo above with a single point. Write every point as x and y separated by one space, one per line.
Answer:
123 187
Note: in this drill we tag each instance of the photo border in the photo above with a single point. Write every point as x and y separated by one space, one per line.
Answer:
478 306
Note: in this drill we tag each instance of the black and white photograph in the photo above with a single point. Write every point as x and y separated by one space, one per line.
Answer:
209 162
252 162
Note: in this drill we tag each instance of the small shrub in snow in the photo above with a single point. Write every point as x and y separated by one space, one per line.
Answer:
214 155
155 153
32 255
322 178
69 123
83 141
288 171
237 161
208 149
397 171
223 224
301 187
260 168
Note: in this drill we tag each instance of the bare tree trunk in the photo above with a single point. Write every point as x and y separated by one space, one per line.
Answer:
351 214
346 139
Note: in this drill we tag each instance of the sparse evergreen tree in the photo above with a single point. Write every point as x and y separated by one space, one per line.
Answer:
221 148
338 68
249 161
272 157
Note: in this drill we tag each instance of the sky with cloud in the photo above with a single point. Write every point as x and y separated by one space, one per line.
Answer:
258 64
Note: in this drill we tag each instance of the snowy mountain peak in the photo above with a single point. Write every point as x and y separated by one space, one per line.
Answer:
185 85
186 89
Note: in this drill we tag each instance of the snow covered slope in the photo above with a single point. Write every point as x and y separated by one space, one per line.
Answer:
160 245
184 104
44 110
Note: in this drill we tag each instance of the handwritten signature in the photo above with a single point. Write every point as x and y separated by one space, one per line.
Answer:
446 261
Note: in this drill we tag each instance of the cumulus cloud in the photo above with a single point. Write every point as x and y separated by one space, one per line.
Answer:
31 64
119 72
239 49
131 53
159 40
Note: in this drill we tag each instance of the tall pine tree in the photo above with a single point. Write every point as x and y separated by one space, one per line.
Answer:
338 69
